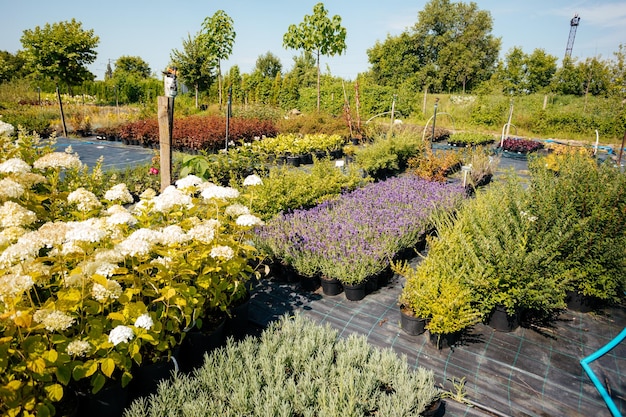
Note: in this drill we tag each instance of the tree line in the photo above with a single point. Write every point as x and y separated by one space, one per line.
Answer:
450 49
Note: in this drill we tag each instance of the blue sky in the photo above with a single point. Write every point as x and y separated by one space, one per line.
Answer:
151 29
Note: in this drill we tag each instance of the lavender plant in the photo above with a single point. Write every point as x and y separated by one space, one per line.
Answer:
354 237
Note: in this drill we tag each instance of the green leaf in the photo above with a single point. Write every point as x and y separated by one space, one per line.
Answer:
63 374
97 383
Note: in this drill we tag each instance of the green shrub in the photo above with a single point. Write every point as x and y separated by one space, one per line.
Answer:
592 200
295 368
470 139
314 123
32 119
387 157
224 167
285 188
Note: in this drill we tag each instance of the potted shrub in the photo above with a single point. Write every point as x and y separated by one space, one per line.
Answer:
116 286
463 139
438 298
354 237
521 146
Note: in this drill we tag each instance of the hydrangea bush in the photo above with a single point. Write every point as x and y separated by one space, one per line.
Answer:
93 285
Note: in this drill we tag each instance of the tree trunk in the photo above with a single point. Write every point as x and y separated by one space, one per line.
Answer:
219 84
196 88
318 81
62 113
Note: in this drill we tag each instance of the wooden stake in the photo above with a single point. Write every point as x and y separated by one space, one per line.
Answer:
166 128
62 113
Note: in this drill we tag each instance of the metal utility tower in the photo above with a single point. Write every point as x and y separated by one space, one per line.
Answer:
572 34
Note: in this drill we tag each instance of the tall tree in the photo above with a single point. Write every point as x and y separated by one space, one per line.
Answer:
618 73
11 66
457 39
268 65
61 52
395 60
540 69
318 34
127 65
194 63
219 38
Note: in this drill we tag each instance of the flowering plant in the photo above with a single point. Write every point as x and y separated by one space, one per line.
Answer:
92 286
521 145
354 237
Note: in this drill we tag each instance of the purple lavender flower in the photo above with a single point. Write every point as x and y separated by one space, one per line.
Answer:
355 236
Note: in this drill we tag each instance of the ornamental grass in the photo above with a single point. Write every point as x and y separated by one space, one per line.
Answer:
355 237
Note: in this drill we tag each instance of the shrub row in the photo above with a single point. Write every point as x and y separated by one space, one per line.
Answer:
199 132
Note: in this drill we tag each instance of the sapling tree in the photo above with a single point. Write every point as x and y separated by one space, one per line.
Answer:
317 34
218 34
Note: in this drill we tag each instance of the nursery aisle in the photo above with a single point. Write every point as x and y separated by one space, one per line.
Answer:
527 372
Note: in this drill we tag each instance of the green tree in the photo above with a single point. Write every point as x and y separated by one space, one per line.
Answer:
568 79
618 73
194 63
457 39
318 34
540 69
511 72
302 75
235 80
61 52
219 37
520 73
127 65
11 66
396 60
268 65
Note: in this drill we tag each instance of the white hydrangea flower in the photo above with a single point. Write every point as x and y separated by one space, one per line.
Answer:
222 252
236 210
148 194
120 215
10 189
252 180
188 182
121 334
54 320
78 348
111 291
12 214
248 220
90 230
205 231
119 193
12 285
219 192
58 160
173 235
144 321
14 165
171 197
84 200
20 251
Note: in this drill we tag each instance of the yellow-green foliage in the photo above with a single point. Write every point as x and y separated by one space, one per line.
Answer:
286 188
296 144
434 292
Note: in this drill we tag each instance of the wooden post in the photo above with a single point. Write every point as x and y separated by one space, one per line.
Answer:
62 113
166 128
621 150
